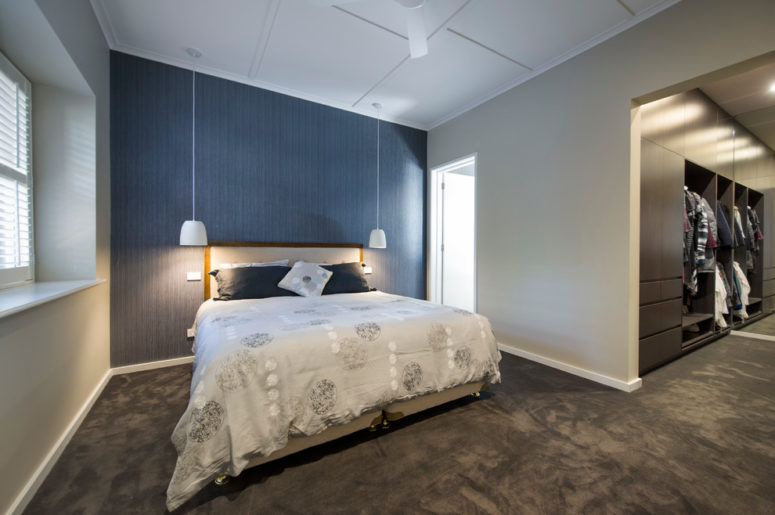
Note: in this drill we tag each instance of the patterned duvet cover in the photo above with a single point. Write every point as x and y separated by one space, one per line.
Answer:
269 369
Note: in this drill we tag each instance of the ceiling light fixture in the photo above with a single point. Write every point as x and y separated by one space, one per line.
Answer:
772 87
377 238
193 232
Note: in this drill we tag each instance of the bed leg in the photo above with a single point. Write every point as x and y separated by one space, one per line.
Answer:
385 423
222 480
376 423
476 395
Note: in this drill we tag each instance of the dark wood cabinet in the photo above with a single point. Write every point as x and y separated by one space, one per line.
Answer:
661 213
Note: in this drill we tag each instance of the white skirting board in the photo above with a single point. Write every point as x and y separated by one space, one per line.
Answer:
29 490
625 386
152 365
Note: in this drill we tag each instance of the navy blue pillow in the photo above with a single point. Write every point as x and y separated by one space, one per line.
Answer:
251 282
347 278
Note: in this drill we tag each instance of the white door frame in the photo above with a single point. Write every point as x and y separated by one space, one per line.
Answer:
434 268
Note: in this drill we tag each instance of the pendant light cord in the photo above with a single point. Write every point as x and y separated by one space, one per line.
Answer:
193 143
378 120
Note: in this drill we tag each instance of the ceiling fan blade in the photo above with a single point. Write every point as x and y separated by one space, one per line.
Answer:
418 36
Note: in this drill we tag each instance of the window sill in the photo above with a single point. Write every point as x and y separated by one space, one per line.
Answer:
15 300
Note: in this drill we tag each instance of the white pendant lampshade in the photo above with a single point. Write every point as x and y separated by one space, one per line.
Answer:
377 239
193 232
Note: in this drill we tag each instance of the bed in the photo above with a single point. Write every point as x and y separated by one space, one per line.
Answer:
276 375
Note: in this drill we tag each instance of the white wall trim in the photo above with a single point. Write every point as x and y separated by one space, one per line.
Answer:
625 386
152 365
40 474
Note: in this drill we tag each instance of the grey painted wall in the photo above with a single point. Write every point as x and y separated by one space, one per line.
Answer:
558 226
269 168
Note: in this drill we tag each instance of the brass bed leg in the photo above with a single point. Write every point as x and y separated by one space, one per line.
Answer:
376 423
222 480
385 423
476 395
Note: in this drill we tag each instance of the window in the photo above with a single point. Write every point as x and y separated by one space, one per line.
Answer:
16 261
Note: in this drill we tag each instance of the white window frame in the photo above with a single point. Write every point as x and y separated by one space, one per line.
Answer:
21 273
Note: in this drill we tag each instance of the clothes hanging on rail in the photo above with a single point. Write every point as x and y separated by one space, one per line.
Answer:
709 264
754 217
739 234
753 235
700 239
743 289
721 306
724 232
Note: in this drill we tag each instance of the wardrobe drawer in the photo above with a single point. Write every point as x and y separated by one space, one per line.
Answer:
659 317
659 348
655 291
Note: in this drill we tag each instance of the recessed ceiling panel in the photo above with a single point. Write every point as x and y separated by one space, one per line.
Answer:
535 32
454 73
227 35
391 15
328 53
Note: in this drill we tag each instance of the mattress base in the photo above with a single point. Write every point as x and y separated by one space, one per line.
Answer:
393 411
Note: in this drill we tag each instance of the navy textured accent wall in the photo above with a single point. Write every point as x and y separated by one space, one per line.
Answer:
269 167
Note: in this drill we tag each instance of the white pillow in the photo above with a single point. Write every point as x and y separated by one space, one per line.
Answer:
226 266
306 279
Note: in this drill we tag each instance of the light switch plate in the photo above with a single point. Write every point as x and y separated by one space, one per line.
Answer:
367 270
190 332
193 276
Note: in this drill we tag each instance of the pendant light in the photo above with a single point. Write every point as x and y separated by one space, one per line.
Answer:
377 237
193 232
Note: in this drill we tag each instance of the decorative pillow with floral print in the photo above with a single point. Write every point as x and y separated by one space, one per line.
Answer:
306 279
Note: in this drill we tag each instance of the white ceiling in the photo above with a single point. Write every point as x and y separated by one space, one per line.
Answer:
356 53
748 98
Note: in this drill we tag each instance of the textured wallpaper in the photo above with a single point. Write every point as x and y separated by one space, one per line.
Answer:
269 167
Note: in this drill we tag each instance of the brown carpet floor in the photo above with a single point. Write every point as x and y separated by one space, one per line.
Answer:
699 437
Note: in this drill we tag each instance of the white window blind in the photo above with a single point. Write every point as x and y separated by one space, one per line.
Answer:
16 252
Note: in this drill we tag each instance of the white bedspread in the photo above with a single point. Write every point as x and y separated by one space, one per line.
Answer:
267 369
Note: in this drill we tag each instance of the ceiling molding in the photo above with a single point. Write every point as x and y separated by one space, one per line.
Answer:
626 7
234 77
381 81
477 43
450 18
104 20
263 40
365 20
600 38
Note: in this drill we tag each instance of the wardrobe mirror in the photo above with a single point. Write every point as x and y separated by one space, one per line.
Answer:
707 258
747 99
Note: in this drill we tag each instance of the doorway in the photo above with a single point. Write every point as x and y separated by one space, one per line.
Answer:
453 234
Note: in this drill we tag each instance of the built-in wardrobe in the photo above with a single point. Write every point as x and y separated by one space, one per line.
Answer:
683 161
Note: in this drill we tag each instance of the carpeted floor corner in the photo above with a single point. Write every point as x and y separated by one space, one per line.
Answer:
699 437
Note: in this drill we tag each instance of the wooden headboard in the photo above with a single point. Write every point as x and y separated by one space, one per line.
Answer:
218 252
